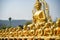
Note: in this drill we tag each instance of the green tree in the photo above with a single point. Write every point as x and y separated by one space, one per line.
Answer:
3 26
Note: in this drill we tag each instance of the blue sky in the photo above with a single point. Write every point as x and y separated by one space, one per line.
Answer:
22 9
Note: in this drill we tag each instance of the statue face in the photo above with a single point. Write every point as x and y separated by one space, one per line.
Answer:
37 6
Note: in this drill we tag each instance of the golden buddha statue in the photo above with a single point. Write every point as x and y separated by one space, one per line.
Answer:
6 32
31 32
3 32
19 33
47 30
53 25
25 31
57 29
18 28
39 16
10 32
38 32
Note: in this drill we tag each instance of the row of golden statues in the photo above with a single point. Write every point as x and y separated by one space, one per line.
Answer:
48 29
42 24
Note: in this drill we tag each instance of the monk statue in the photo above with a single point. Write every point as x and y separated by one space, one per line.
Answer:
31 33
47 30
38 16
38 32
57 29
25 31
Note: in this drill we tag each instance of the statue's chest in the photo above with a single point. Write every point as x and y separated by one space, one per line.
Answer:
38 15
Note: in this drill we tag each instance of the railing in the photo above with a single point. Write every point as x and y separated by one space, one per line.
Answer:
31 38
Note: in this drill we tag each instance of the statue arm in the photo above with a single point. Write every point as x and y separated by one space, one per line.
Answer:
43 15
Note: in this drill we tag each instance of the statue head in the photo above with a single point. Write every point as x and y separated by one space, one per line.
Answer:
37 5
